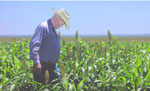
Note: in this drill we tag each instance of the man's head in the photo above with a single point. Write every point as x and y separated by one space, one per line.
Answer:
60 18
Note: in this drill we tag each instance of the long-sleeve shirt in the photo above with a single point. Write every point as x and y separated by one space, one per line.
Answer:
45 44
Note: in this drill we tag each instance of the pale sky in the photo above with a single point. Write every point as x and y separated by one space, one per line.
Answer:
89 18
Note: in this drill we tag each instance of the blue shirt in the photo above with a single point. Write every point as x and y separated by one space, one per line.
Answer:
45 44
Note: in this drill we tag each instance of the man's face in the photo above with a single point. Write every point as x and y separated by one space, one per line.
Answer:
59 22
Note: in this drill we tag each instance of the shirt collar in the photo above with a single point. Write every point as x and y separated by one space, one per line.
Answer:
51 25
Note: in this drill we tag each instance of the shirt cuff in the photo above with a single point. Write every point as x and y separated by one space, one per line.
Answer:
36 61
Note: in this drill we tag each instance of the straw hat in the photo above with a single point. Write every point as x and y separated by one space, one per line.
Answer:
64 15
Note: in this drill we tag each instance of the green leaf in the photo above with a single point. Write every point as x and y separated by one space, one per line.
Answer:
80 85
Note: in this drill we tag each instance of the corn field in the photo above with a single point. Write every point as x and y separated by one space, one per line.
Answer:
84 66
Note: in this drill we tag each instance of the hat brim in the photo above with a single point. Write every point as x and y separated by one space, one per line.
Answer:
66 22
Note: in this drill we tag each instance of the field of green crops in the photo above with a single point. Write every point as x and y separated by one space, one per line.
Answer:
84 66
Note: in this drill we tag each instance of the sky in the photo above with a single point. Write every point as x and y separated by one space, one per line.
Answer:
86 17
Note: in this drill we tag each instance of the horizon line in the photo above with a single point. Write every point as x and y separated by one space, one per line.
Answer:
80 35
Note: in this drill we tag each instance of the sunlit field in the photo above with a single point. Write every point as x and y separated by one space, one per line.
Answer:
86 64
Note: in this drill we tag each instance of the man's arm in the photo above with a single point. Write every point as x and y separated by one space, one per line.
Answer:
35 44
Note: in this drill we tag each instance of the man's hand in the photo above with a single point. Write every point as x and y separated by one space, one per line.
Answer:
37 68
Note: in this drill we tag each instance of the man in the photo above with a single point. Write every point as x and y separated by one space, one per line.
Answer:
45 46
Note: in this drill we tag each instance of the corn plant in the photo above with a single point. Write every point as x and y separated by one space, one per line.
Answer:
84 66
